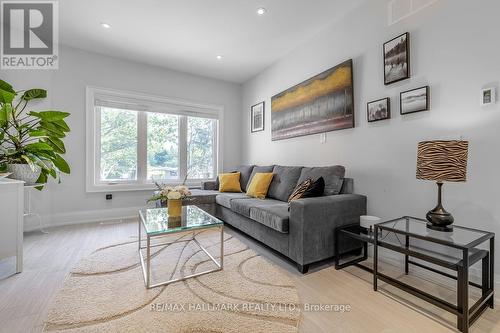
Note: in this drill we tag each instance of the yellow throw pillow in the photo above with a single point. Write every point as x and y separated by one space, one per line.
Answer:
259 185
229 182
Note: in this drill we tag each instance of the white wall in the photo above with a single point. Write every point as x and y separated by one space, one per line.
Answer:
455 50
68 202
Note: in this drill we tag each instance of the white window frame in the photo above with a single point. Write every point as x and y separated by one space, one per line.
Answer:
146 103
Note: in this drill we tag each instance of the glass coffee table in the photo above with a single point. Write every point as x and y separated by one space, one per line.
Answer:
156 223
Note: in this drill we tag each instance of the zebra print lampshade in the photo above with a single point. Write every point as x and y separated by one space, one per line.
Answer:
442 160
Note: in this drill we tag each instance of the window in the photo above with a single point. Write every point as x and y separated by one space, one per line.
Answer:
163 146
134 140
118 145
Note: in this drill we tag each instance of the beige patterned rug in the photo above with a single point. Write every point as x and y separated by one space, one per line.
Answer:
105 292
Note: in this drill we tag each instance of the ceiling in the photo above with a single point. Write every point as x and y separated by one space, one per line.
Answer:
187 35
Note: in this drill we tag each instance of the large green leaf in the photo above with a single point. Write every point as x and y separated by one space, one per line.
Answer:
28 161
6 86
38 161
38 133
61 164
38 146
57 144
5 114
47 155
6 96
33 94
7 93
52 129
49 116
53 173
62 125
42 180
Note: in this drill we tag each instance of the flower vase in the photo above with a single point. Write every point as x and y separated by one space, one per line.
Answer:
174 207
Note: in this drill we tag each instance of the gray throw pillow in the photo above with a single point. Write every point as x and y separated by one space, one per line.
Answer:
284 181
245 173
333 176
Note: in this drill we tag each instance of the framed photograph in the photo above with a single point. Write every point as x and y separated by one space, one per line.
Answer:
397 59
379 110
488 96
414 100
257 117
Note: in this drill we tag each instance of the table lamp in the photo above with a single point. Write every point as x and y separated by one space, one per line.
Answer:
442 161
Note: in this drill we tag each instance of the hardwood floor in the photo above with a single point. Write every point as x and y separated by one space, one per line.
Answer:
25 297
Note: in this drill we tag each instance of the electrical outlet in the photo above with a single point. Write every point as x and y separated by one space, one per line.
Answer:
109 196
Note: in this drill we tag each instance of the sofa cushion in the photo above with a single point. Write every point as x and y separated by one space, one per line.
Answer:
333 176
274 216
243 206
284 181
246 172
224 199
259 169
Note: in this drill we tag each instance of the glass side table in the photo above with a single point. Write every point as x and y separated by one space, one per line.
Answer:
356 232
157 223
458 251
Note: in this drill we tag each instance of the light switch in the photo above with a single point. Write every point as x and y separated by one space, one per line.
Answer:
322 137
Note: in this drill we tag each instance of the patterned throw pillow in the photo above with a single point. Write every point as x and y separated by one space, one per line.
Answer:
317 189
300 189
308 189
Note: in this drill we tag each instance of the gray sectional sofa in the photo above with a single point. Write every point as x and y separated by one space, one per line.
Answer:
302 231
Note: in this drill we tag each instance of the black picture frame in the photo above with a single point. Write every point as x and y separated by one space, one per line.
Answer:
253 111
424 107
387 115
406 74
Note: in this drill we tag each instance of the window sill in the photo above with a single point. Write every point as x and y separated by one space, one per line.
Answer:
139 187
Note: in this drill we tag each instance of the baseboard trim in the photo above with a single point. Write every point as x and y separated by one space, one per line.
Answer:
80 217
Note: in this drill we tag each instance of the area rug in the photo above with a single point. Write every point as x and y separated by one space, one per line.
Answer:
105 292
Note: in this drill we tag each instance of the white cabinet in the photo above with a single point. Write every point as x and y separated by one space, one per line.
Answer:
11 220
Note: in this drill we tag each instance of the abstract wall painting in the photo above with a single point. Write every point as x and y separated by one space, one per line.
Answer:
320 104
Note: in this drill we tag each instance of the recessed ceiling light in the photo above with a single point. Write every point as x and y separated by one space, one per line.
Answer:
219 57
105 25
261 11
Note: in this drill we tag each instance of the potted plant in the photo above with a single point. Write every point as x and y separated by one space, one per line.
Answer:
173 196
31 143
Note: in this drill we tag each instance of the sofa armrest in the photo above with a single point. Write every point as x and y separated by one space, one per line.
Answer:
313 221
209 185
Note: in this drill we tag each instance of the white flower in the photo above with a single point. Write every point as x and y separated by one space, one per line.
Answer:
174 195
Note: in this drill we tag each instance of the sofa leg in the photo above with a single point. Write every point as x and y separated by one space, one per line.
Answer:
303 268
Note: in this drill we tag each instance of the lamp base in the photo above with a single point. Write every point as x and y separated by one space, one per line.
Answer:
439 220
438 228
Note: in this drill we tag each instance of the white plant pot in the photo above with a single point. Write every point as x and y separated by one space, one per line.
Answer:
24 172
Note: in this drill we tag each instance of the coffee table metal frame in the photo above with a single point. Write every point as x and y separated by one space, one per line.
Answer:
146 262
